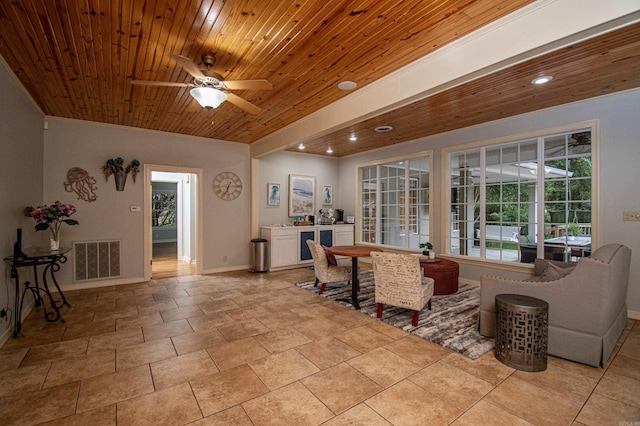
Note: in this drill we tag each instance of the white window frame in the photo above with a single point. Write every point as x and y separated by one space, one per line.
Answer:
592 125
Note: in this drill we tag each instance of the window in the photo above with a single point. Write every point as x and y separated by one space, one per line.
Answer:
502 201
394 199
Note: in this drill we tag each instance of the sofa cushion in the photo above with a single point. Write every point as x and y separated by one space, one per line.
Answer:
555 272
331 259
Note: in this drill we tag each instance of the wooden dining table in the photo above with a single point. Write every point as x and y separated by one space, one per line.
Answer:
354 252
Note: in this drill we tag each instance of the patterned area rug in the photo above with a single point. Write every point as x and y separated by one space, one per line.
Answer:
450 323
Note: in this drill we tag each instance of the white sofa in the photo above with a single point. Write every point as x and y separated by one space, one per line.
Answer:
587 306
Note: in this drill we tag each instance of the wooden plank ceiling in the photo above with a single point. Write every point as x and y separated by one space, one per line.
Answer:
77 60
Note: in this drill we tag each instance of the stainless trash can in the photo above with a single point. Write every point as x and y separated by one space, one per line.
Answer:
258 255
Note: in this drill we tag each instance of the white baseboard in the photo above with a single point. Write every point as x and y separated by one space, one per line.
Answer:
634 315
101 283
227 269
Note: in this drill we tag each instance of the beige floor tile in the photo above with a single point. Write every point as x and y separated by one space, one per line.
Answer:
408 404
562 381
389 330
144 353
349 317
29 337
115 340
328 352
383 366
218 306
247 312
360 415
631 346
56 351
198 340
623 365
452 384
166 329
281 319
235 416
283 368
171 406
282 340
99 391
138 321
67 371
192 300
155 307
203 322
242 329
320 329
364 338
30 408
23 379
292 405
181 313
238 352
114 314
620 388
226 389
516 396
341 387
487 367
417 350
181 369
126 300
79 330
12 358
104 416
485 413
601 410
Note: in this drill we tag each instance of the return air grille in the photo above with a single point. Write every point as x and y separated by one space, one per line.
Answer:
95 260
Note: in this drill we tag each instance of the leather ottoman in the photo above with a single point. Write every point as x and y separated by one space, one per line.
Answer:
445 274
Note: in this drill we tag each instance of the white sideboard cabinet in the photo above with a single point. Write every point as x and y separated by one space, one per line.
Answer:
287 245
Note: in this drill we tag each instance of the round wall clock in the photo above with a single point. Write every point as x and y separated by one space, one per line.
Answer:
227 186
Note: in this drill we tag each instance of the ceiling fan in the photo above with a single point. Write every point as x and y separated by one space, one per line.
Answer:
209 88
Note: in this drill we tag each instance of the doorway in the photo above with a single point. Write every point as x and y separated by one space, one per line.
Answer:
172 220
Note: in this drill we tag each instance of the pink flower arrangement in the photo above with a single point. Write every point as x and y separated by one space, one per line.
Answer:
51 217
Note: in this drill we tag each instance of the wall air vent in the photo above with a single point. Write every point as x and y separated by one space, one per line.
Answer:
96 260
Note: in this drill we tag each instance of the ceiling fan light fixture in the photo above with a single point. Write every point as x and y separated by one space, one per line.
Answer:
353 137
300 146
208 97
543 79
329 150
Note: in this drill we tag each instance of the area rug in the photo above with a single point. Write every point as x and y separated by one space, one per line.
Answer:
450 323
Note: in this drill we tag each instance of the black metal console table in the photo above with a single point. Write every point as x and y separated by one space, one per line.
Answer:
34 257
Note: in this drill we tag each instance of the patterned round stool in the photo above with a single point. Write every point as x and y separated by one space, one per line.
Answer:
521 332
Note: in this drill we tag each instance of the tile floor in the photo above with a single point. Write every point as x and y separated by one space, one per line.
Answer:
253 349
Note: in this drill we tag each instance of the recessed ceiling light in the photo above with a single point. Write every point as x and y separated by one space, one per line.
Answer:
347 85
382 129
542 79
301 146
353 137
329 150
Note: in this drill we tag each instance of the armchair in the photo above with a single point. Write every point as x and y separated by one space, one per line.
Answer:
587 302
399 282
326 272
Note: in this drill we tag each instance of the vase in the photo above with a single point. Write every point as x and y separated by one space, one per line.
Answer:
54 241
121 179
432 254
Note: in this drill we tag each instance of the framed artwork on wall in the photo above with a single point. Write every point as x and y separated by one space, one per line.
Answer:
327 195
301 195
273 194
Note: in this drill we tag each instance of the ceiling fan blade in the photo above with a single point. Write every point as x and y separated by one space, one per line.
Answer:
160 83
242 103
248 84
188 66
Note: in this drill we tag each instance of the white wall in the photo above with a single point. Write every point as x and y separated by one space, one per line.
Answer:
276 168
619 168
75 143
21 179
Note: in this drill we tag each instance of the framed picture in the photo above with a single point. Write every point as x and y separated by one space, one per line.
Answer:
273 194
327 195
301 195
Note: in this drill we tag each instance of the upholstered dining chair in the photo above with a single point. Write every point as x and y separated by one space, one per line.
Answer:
327 268
399 282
